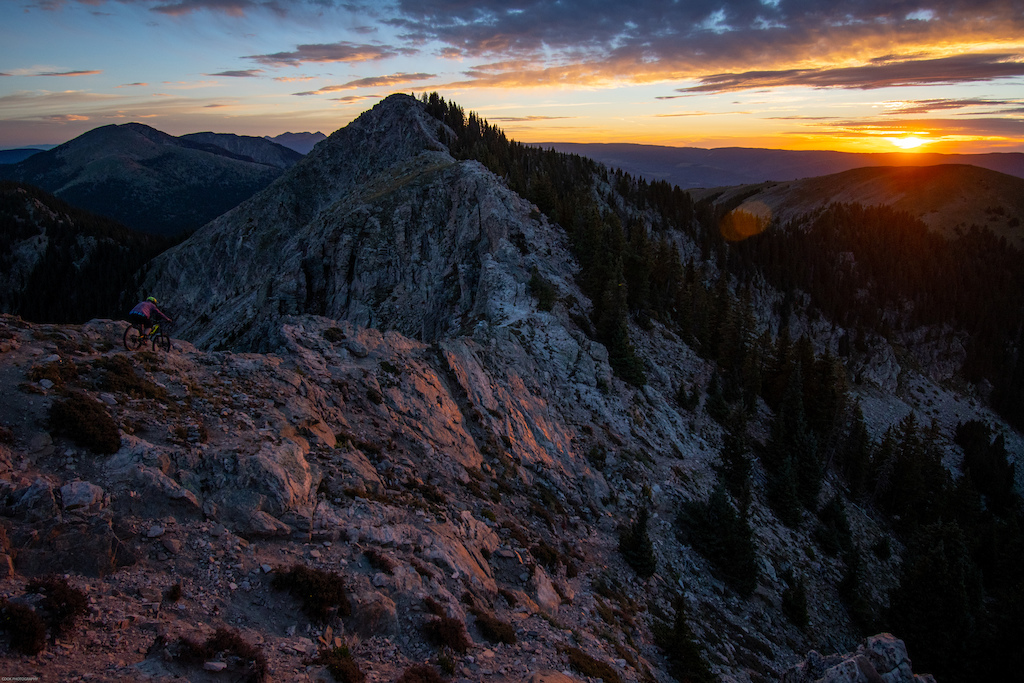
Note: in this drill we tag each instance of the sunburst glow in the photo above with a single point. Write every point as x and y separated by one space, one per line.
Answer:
908 142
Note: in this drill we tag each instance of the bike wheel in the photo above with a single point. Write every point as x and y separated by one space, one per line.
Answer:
161 342
132 338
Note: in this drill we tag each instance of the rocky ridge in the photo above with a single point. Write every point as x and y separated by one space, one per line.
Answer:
354 445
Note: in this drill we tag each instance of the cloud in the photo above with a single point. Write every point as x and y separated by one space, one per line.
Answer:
65 118
329 52
235 8
293 79
239 73
372 82
527 119
918 107
356 98
68 73
947 70
130 85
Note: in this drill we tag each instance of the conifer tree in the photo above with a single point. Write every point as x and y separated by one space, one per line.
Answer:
636 546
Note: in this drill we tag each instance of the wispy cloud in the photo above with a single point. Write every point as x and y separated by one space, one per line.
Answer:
68 73
947 70
239 73
65 118
293 79
329 52
527 119
371 82
131 85
918 107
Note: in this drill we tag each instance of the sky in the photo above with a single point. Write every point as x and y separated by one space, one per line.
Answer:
849 75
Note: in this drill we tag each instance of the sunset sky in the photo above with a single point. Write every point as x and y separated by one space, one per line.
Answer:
850 75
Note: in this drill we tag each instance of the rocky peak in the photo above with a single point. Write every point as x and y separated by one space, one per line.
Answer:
378 225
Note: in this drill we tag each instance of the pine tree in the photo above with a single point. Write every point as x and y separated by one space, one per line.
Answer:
636 546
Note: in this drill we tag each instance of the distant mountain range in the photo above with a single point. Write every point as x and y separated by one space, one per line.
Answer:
946 198
152 181
302 143
690 167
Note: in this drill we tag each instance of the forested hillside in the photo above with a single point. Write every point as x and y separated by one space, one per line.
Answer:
62 264
869 272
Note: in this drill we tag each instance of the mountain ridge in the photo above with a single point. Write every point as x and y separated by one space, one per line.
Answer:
150 180
691 167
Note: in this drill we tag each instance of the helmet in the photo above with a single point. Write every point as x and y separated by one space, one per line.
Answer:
152 298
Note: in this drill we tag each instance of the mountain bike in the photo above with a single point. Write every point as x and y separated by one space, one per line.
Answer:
135 338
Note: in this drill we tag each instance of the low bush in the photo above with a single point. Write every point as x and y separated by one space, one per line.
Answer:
120 377
62 604
334 335
583 663
321 593
493 629
447 632
229 645
87 422
420 673
340 663
25 629
379 560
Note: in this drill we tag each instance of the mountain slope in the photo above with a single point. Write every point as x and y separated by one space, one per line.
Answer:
62 264
260 150
690 167
302 143
144 178
947 198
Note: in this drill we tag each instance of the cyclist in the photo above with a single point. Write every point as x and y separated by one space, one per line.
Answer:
142 315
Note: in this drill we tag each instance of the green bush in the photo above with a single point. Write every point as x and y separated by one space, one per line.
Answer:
794 601
320 592
87 422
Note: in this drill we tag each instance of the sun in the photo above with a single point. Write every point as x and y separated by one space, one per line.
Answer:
909 142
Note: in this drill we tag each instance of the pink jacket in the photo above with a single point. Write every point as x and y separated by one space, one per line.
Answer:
149 309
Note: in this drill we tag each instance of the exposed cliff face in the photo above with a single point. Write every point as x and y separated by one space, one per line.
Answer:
421 264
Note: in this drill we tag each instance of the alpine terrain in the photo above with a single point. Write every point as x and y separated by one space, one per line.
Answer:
440 405
151 181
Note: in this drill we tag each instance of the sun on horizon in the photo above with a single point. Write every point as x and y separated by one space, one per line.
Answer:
909 142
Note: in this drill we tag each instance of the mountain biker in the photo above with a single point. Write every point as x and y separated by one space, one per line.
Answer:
142 315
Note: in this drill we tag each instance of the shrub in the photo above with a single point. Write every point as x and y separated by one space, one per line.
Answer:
57 372
120 376
24 627
542 289
342 666
62 604
493 629
420 673
87 422
636 547
447 632
320 592
238 651
379 560
794 601
173 594
588 666
334 335
677 642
